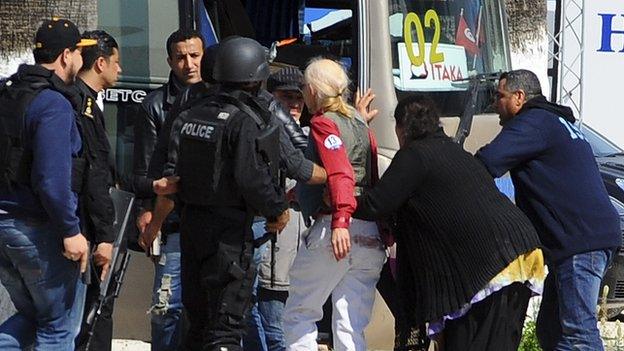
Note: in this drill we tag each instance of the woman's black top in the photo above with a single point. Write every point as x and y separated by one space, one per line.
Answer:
454 230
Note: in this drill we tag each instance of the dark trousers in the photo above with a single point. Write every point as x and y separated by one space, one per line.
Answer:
102 337
217 277
494 324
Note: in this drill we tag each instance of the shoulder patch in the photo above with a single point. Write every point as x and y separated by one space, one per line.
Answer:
332 142
223 115
88 110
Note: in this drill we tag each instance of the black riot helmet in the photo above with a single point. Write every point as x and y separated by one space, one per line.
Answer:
208 62
241 60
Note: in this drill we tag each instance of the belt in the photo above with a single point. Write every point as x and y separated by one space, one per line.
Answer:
367 241
234 213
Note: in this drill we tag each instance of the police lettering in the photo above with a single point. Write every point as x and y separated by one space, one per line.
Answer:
197 130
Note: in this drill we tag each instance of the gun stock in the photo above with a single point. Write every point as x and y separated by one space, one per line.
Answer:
475 83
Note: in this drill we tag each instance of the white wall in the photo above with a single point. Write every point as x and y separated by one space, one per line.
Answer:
534 59
9 66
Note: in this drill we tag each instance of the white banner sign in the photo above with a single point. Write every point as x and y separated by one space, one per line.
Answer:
603 68
428 76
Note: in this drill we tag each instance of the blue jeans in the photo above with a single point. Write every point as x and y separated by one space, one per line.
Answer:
45 287
567 317
166 307
271 316
254 338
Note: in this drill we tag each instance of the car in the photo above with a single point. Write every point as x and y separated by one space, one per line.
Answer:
610 160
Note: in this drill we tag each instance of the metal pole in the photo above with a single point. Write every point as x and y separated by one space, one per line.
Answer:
363 43
582 71
555 71
562 54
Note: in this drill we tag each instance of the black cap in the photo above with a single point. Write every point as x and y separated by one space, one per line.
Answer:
287 78
59 33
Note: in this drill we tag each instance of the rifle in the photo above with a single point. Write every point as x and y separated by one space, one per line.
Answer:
474 86
261 241
111 285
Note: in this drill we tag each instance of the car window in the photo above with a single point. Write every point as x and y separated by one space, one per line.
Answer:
599 144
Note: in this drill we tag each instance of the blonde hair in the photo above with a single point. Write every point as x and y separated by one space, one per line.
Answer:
329 80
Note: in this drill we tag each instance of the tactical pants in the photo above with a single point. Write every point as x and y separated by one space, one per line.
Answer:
217 276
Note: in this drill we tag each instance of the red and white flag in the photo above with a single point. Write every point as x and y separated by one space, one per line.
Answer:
464 36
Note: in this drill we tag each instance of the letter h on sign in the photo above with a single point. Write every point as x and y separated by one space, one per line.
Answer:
608 31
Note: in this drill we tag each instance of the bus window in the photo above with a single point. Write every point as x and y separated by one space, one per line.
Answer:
141 28
437 42
324 32
331 29
317 28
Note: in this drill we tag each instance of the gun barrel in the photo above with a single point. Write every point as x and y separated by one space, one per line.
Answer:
273 250
122 274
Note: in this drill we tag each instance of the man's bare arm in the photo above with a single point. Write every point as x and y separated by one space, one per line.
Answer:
319 176
164 205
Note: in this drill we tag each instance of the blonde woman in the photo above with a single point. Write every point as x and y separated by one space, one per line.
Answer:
342 256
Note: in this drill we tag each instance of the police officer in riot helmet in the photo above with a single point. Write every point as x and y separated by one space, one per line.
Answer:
227 163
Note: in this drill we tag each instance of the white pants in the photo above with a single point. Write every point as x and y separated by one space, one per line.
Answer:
316 274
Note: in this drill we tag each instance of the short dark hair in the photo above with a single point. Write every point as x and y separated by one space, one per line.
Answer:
182 35
48 55
522 79
418 116
104 48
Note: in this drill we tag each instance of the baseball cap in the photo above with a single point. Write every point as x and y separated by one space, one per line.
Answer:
59 33
287 78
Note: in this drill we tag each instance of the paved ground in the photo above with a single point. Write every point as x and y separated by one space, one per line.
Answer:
132 323
131 320
130 345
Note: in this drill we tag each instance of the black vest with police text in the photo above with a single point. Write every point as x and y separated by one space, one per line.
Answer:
204 176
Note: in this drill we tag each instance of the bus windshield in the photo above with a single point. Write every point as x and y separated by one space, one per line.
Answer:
436 44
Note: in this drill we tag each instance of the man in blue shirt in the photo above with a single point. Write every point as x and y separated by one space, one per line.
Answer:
42 250
560 189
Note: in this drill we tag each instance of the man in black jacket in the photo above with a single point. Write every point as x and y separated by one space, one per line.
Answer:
100 70
184 53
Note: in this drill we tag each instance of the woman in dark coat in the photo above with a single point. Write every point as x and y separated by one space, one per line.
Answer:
468 259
